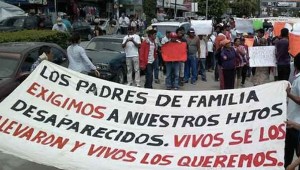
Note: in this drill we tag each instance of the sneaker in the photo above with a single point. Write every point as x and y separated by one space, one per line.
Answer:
176 88
193 82
138 85
204 80
168 88
157 81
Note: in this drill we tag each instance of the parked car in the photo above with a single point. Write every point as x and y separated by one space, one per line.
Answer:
83 28
162 27
18 23
107 54
105 26
16 59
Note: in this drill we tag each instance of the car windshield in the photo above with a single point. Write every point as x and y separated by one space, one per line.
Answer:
163 29
8 66
16 22
110 44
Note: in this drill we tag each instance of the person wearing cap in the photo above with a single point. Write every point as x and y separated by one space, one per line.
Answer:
190 66
148 54
131 44
59 26
228 58
172 67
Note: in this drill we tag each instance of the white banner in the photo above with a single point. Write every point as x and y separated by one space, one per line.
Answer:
202 27
61 118
244 25
262 56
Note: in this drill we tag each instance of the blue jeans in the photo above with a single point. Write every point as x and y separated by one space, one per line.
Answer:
202 68
149 75
156 68
191 67
172 78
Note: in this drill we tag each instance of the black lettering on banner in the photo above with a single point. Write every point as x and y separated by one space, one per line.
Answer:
114 115
55 77
164 100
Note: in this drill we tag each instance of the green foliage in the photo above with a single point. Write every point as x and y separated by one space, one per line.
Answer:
59 38
216 8
247 8
149 7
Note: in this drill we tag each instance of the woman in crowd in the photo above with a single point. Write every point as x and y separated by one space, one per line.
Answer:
241 62
78 60
228 58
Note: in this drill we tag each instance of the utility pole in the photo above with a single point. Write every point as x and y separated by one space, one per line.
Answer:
163 4
175 9
206 10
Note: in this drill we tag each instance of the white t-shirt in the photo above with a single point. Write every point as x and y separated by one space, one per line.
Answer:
293 109
124 22
151 52
130 49
203 49
210 43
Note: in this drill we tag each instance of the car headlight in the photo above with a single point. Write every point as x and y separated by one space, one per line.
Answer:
102 66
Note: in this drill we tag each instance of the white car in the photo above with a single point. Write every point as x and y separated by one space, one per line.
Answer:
162 27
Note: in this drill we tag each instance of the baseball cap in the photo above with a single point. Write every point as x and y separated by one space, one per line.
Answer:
191 30
173 35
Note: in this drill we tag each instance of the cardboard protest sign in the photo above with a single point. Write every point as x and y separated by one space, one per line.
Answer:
244 25
257 24
262 56
249 42
296 27
202 27
294 41
277 28
72 121
174 51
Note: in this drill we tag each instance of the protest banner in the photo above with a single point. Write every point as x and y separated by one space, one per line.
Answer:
249 42
262 56
294 41
72 121
202 27
243 25
174 51
277 28
257 24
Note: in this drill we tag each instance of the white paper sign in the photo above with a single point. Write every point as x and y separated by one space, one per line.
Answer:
72 121
243 25
202 27
262 56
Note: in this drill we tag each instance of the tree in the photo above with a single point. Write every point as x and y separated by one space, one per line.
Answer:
216 8
246 8
149 7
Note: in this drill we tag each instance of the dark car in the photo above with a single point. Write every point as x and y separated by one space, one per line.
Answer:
18 23
84 29
107 54
16 59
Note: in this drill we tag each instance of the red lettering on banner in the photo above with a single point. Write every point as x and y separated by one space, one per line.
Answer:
112 153
272 133
156 159
59 100
202 140
77 145
239 137
17 130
